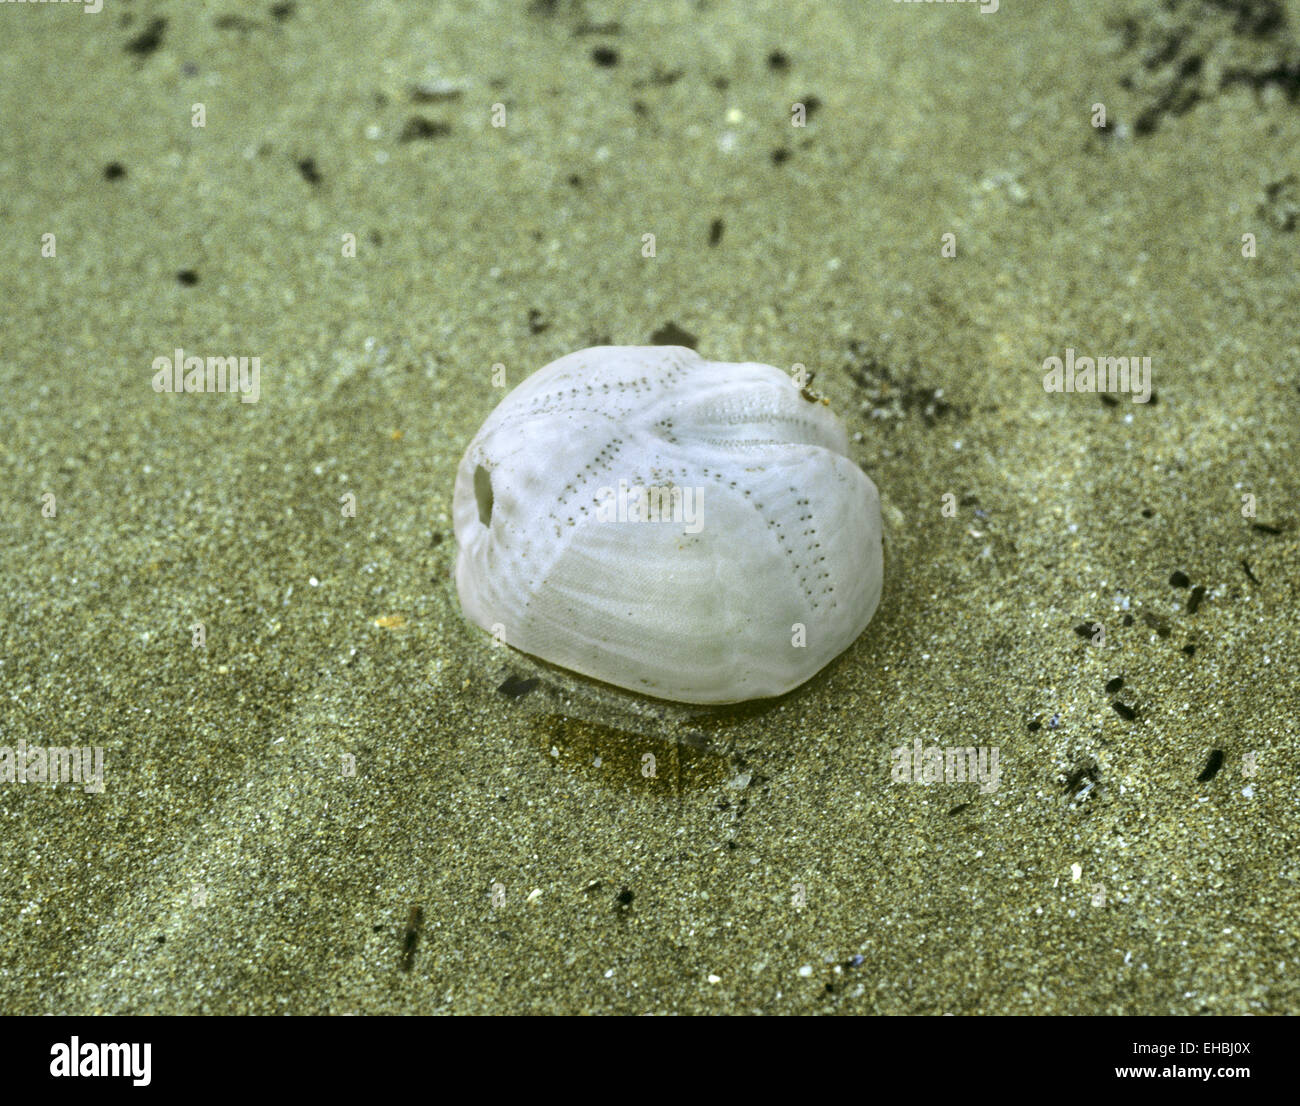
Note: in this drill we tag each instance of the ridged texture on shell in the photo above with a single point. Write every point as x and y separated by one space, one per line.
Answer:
788 530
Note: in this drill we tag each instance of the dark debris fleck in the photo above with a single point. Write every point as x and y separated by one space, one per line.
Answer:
417 129
414 923
148 40
1158 624
891 394
1086 769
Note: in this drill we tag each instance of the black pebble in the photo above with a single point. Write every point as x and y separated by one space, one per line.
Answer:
715 231
1147 512
1212 766
1114 685
777 60
307 167
1034 726
1194 600
625 898
604 56
1179 579
1128 620
114 170
282 11
1189 649
188 277
780 155
1124 710
536 324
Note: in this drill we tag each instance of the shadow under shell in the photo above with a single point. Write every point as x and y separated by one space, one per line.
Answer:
542 688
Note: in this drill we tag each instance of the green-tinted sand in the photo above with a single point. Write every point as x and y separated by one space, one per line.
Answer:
230 865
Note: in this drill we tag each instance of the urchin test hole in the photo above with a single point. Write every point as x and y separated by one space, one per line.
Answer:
483 494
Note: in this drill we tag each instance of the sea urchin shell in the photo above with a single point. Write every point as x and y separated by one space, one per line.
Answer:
688 529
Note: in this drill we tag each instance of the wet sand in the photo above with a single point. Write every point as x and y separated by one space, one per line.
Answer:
279 800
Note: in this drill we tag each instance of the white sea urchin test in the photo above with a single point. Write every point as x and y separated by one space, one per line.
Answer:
688 529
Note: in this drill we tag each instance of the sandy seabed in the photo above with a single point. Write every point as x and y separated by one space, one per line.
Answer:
320 794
